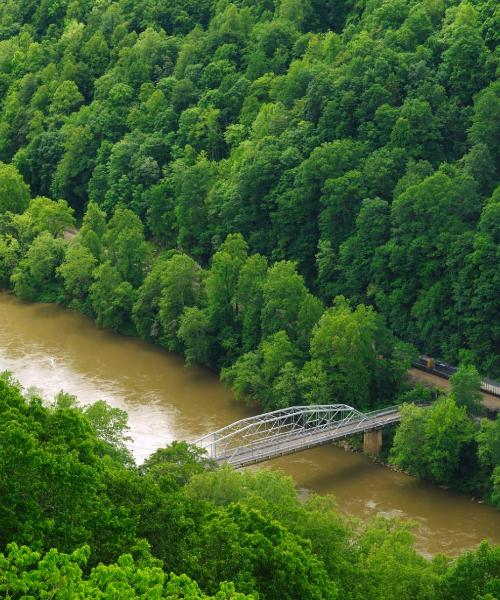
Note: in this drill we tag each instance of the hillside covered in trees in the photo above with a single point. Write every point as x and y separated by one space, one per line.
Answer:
177 525
346 148
299 194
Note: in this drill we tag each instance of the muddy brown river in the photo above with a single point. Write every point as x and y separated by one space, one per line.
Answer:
56 349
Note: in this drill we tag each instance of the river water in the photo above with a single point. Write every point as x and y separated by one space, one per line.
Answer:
55 349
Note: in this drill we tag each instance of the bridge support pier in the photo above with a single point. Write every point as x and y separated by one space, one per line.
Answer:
372 441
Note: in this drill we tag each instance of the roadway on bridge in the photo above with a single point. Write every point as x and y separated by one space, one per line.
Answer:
297 440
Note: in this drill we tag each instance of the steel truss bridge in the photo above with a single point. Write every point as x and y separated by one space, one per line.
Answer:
289 430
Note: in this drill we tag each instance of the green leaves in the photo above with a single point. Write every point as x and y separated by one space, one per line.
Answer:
14 193
35 277
126 246
283 293
51 479
194 332
353 148
26 574
429 442
279 121
345 343
259 553
488 450
473 574
112 298
120 530
181 286
43 215
465 386
76 272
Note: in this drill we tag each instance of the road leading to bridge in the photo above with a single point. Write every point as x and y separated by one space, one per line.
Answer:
281 432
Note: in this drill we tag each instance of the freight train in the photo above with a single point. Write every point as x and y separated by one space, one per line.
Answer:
440 369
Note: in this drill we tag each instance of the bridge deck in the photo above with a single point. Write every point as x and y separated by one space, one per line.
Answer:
301 440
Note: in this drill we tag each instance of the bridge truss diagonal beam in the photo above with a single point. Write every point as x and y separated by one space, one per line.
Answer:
283 431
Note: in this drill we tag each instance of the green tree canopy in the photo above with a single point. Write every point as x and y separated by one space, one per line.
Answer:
14 193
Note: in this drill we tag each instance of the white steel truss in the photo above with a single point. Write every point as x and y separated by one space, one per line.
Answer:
283 431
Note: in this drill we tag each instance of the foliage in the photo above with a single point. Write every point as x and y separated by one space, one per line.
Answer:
469 577
465 386
112 298
78 519
42 215
356 149
52 480
59 575
14 193
76 272
236 167
488 441
35 277
344 342
283 193
430 441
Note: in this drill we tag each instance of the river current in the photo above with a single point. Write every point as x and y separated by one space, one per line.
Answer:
55 349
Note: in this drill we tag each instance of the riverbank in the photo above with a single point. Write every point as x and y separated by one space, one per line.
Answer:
50 347
378 459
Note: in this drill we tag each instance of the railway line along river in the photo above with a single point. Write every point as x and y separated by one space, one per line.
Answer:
52 348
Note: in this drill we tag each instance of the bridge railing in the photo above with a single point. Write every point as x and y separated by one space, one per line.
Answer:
279 427
261 429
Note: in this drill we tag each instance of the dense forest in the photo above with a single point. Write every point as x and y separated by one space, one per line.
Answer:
253 176
177 525
299 194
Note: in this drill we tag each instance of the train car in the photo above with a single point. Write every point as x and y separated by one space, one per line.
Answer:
441 369
424 363
490 387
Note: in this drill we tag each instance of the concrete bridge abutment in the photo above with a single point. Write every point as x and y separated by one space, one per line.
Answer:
372 441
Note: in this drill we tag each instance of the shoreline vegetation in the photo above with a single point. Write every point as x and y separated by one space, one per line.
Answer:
431 394
296 194
380 460
123 531
471 399
273 342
